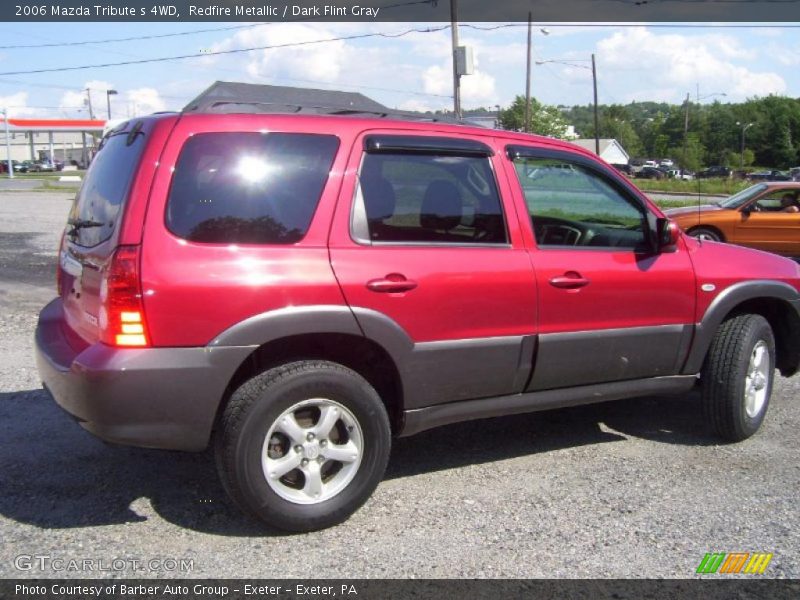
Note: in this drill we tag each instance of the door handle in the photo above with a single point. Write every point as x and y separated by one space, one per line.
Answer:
569 280
392 283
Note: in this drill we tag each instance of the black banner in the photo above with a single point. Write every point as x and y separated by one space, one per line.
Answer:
542 11
376 589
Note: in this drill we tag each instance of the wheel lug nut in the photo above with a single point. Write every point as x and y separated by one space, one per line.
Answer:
321 459
298 448
310 437
323 443
304 462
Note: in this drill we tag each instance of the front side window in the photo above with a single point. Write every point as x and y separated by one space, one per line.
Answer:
430 199
570 205
248 188
778 201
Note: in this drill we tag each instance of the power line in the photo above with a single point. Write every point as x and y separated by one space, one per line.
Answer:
234 51
131 39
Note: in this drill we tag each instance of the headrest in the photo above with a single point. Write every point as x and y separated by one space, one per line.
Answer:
442 206
379 198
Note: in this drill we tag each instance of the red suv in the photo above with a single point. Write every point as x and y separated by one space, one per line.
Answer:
296 290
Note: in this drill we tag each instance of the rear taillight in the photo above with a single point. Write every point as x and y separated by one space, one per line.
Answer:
122 320
59 276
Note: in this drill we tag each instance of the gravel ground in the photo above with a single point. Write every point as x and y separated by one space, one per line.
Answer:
627 489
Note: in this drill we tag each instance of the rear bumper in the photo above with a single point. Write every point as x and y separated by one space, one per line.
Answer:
150 397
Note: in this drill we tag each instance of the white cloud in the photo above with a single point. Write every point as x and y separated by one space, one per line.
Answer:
142 101
17 105
77 101
648 64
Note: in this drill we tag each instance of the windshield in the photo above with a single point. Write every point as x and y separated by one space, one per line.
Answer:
744 196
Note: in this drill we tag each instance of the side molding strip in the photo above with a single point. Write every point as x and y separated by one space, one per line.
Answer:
454 412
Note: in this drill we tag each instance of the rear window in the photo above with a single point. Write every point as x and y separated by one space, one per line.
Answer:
106 185
248 188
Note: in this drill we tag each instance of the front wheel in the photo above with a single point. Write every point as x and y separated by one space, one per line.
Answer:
705 233
302 446
737 377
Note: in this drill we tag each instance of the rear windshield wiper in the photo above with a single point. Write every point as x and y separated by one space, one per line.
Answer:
78 224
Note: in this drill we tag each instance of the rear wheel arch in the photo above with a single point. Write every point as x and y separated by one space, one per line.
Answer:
358 353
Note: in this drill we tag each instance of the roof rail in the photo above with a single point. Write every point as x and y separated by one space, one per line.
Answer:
226 98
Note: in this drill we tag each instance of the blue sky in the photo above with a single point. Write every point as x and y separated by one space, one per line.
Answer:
410 72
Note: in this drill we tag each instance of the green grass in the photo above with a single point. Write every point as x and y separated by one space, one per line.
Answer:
723 187
45 175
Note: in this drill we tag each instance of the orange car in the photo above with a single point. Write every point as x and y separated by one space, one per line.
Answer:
764 216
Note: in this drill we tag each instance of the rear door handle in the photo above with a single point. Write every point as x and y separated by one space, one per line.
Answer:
569 280
392 283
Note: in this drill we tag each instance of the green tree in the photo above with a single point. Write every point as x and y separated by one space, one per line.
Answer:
690 155
545 120
734 159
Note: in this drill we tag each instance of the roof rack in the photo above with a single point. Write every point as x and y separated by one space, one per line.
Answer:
224 97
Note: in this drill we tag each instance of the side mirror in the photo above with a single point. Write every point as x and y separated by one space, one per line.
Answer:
667 235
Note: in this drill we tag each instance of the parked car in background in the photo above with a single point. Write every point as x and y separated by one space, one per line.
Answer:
44 166
626 170
680 174
771 175
667 163
758 217
715 171
652 173
794 173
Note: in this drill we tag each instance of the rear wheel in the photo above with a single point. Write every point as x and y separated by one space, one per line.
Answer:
737 377
705 233
302 446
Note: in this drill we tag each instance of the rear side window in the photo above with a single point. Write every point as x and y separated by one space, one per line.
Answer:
430 199
248 188
105 188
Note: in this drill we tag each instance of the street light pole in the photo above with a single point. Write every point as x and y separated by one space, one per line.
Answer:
685 132
110 93
741 153
456 76
8 145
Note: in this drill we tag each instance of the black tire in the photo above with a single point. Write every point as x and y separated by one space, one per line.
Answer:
725 375
706 233
254 410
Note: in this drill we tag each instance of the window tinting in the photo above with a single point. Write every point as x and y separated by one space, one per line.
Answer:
431 199
248 188
106 186
570 205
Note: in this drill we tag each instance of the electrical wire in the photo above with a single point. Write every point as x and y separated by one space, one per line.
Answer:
223 52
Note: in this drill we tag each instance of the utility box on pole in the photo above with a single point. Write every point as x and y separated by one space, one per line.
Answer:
465 63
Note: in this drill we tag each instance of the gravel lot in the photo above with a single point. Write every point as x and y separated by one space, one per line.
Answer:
627 489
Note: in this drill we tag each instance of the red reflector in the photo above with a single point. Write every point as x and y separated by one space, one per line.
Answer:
122 321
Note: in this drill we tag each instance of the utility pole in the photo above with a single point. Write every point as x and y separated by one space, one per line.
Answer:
8 145
596 125
89 103
456 76
527 126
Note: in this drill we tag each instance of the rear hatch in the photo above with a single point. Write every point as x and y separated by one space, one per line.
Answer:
90 237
